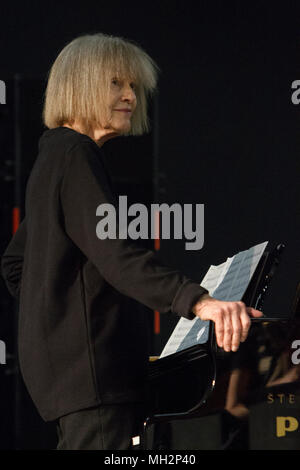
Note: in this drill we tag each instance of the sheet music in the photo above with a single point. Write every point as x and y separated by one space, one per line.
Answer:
227 281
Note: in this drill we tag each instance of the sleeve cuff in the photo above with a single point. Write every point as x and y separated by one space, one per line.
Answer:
186 297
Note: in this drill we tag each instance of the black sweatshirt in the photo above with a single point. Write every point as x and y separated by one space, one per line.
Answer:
82 341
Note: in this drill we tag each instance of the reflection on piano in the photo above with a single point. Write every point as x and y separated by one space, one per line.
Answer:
205 398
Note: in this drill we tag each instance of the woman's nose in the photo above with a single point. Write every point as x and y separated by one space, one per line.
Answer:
129 94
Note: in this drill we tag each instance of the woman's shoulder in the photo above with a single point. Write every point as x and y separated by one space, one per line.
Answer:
63 139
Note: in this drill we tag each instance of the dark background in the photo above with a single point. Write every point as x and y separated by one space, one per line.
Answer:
224 133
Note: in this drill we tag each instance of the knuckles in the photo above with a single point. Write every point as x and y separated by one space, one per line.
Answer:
232 308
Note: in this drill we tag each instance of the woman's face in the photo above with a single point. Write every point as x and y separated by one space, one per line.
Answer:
122 103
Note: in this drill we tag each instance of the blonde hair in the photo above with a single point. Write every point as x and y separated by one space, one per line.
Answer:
80 79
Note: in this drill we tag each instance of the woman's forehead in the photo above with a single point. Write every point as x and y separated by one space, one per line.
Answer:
124 69
125 75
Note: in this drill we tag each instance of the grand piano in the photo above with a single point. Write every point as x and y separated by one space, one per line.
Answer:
205 398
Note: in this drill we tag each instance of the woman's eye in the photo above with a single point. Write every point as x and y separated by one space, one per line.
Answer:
119 83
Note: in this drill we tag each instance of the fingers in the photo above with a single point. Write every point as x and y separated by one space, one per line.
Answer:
238 330
232 321
219 330
232 326
228 332
246 323
254 313
228 328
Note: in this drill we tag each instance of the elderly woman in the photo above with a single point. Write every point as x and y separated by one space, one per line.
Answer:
83 354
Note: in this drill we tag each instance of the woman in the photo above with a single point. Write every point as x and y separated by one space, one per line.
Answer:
82 353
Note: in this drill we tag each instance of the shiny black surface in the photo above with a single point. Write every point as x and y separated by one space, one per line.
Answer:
255 388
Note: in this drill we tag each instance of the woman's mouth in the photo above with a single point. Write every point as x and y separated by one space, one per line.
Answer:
124 110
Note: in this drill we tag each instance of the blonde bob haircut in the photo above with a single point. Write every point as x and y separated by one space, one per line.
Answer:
80 79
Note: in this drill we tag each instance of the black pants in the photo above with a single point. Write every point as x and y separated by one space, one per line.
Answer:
106 427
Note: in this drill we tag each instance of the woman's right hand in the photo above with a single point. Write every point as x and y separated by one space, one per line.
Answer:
232 320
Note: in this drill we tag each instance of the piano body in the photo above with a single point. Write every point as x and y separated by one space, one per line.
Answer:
205 398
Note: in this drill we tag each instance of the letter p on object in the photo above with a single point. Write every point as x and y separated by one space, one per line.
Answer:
285 424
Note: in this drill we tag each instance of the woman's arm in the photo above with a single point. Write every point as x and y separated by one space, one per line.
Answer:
129 268
124 264
12 260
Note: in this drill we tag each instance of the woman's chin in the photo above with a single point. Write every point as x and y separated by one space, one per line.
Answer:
123 129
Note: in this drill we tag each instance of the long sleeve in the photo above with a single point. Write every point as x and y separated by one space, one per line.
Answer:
131 269
12 260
